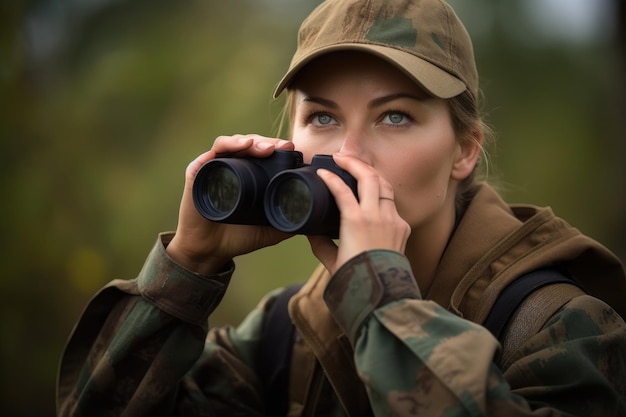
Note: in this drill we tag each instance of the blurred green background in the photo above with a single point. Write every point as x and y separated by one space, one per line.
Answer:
104 102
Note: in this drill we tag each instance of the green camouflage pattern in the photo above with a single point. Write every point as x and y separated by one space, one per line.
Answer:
417 358
140 350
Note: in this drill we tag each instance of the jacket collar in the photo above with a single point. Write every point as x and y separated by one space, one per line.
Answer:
495 243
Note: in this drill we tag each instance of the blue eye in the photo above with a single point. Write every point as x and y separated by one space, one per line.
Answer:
323 119
396 118
320 119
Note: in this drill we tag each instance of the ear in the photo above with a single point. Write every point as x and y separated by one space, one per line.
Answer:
469 150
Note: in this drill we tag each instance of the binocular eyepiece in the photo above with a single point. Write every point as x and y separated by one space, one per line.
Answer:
279 190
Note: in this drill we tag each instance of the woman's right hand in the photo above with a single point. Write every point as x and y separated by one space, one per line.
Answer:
204 246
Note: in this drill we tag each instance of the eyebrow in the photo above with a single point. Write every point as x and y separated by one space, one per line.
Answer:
386 99
319 100
372 104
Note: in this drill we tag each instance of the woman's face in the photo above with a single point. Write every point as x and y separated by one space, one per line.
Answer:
359 105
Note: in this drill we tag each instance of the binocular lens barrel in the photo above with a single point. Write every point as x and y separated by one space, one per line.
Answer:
229 190
297 201
292 201
223 190
279 190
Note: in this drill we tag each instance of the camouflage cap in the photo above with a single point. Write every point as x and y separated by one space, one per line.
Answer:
423 38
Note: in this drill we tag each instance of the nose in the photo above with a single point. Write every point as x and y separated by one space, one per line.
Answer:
354 144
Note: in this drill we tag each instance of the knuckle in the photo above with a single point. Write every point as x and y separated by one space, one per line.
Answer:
221 138
371 175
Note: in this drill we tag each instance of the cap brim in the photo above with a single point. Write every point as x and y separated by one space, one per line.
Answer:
433 79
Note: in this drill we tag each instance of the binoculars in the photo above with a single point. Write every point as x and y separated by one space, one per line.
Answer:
280 190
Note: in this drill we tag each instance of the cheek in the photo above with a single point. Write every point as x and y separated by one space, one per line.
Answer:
303 144
310 147
421 186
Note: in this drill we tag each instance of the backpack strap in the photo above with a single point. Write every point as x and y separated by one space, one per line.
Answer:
274 355
531 316
514 294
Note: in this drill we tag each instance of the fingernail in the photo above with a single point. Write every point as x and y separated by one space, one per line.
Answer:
322 171
263 146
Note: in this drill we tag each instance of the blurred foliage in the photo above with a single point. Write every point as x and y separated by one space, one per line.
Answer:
103 104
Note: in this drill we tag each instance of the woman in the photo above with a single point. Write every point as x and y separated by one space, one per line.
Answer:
390 324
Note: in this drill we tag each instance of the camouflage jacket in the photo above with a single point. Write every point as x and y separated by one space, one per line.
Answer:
143 347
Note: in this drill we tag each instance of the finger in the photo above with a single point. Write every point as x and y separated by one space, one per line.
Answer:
285 145
265 147
381 199
229 144
195 165
344 197
385 190
250 145
371 186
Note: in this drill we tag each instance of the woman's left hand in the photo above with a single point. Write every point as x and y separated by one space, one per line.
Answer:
371 222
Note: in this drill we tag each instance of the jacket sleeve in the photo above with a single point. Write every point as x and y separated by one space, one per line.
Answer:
141 349
417 358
